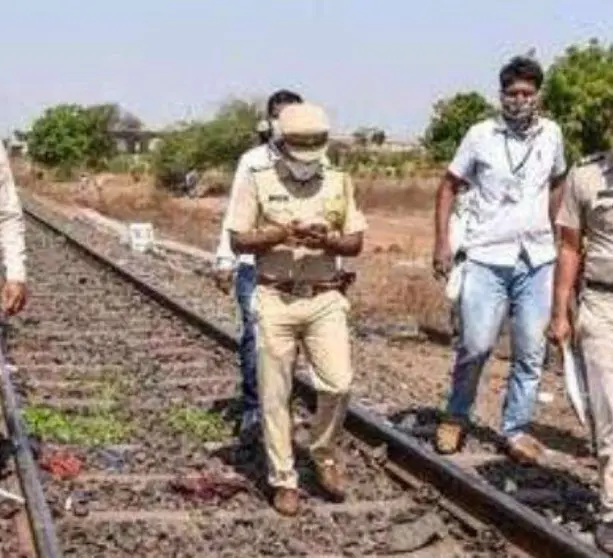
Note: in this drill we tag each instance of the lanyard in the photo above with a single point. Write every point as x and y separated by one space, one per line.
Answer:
516 168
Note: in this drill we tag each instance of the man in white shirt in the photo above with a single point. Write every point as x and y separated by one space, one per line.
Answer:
12 239
242 269
514 166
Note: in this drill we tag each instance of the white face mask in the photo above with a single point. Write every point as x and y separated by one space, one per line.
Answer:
302 172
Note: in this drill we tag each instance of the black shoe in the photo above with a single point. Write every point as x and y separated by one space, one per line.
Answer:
604 537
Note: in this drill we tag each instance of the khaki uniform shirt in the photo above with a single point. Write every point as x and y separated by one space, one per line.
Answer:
271 195
12 225
587 205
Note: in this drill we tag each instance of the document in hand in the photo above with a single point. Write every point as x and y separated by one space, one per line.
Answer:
575 382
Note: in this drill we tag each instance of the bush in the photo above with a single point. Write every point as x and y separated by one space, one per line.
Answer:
452 118
60 137
70 136
201 146
578 94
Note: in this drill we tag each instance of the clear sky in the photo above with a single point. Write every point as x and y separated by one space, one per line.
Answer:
369 63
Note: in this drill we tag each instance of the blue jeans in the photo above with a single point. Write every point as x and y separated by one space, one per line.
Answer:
245 285
488 292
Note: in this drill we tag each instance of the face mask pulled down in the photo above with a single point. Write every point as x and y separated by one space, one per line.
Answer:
519 112
300 171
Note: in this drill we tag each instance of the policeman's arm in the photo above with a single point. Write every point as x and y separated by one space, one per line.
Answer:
224 255
558 178
570 224
558 186
12 225
348 245
567 270
258 241
245 236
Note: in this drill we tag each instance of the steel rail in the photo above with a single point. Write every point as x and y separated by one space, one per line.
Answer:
521 525
39 516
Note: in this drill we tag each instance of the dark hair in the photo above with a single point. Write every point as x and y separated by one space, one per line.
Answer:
521 68
281 97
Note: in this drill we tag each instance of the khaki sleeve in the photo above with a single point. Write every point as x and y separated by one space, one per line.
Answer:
571 213
12 224
242 215
355 221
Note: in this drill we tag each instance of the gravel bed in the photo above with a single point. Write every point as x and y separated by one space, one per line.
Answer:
55 370
397 377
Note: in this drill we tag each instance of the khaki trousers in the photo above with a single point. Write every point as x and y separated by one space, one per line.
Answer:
320 323
595 335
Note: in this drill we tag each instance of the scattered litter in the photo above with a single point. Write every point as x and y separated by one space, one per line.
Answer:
61 465
209 486
545 397
77 502
510 486
406 537
7 450
6 495
113 459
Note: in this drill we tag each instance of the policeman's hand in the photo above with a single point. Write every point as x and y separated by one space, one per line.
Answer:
223 280
312 236
13 297
560 329
442 259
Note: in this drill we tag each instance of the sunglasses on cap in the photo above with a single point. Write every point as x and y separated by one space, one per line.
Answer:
306 141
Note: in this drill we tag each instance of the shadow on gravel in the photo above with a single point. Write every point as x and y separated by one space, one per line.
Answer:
249 461
562 496
561 440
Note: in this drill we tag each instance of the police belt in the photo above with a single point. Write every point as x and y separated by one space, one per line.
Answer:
302 288
598 286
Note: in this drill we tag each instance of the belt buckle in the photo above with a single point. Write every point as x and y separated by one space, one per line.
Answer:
302 289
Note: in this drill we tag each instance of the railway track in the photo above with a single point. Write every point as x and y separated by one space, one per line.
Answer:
136 393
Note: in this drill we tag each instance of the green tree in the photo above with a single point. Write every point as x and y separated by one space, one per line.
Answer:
378 136
101 146
60 137
452 118
68 136
578 94
199 146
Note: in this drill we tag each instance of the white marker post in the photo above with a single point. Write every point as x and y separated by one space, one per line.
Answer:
141 236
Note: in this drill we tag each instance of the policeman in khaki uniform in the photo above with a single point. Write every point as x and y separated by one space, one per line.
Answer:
298 215
585 222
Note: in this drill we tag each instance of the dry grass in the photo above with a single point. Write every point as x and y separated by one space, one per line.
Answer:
394 195
384 290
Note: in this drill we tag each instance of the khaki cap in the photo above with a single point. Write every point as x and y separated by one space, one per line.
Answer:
304 128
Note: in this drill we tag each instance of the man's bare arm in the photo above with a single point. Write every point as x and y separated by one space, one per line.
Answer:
445 197
566 272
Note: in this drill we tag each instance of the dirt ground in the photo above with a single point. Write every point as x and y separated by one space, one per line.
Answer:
394 286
